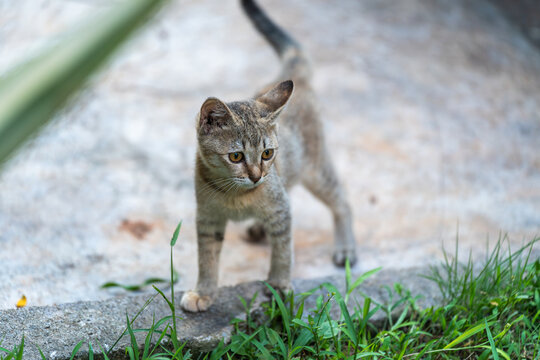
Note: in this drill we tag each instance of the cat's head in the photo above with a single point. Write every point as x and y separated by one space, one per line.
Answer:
238 141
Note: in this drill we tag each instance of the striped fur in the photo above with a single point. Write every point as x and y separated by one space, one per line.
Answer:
256 187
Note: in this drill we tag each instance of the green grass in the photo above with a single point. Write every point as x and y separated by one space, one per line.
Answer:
489 312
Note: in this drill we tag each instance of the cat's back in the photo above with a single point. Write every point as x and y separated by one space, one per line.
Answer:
301 136
300 131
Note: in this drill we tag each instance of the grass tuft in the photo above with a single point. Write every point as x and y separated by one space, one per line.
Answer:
490 312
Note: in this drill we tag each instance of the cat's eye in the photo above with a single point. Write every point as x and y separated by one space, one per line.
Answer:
236 157
267 154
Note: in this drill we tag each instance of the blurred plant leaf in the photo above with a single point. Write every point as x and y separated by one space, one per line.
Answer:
145 283
33 91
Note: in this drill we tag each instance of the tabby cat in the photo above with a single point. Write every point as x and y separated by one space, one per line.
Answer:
249 154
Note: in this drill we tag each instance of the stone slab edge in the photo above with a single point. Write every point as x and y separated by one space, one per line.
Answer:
57 329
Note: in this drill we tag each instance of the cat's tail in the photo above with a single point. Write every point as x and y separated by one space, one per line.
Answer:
295 63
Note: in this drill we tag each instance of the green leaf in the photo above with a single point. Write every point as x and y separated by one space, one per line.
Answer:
348 281
161 336
302 339
301 323
467 334
148 338
147 302
326 329
176 232
246 340
344 311
134 345
300 310
499 351
171 306
274 338
366 354
21 350
43 355
282 309
32 92
129 351
363 278
264 352
76 350
90 351
145 283
490 338
104 353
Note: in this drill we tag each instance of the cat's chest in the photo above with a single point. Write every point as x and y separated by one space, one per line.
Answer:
237 208
242 207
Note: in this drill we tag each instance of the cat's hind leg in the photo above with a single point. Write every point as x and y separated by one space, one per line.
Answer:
323 183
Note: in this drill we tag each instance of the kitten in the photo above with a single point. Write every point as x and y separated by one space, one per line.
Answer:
245 164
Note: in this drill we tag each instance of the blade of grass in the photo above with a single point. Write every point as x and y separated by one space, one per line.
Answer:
134 345
104 353
148 302
76 350
174 335
148 338
498 351
41 353
175 234
264 352
467 334
490 338
274 337
20 351
90 351
247 340
350 329
283 310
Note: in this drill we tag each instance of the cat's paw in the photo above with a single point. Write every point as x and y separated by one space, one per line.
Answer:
341 255
193 302
256 234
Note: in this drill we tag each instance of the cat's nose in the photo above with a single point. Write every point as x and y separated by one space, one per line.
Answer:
254 178
254 173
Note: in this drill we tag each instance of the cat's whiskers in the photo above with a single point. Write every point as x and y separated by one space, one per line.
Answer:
221 189
231 186
226 188
210 187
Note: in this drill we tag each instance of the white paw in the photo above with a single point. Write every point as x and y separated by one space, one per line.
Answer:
193 302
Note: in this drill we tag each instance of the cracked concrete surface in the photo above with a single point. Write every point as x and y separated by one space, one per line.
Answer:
432 111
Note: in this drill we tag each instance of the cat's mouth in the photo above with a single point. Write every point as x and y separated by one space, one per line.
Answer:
246 183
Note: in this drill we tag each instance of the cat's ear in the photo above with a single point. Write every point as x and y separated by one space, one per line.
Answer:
214 115
274 100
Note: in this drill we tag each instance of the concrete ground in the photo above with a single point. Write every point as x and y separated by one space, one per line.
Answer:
432 112
103 322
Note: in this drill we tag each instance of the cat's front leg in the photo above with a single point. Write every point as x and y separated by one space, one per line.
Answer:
277 226
209 239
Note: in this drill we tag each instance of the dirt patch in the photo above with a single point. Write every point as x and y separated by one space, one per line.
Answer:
139 229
